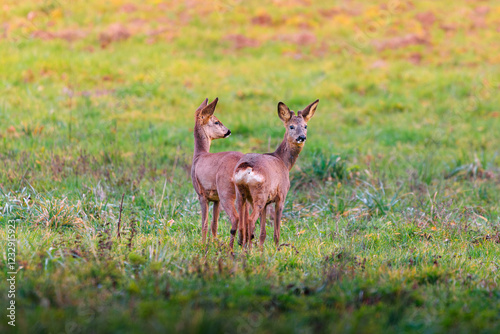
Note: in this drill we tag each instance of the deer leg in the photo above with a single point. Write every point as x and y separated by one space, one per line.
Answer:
215 218
262 236
204 218
277 221
247 213
236 217
234 228
243 222
230 199
243 226
256 211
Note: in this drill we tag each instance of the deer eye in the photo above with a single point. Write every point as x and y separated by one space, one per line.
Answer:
305 127
217 123
292 127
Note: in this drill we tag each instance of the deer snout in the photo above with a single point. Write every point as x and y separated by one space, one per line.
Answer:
228 133
301 139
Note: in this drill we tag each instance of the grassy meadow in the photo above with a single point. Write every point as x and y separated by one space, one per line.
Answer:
392 223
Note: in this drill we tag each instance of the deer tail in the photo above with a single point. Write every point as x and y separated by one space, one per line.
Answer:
244 174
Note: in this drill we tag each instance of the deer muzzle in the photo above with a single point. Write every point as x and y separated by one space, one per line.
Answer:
301 139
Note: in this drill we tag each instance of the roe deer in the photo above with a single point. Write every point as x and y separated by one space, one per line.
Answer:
211 172
262 179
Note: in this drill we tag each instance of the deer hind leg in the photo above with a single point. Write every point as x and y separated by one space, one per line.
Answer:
243 222
204 217
215 218
262 236
258 206
232 212
238 223
230 199
277 221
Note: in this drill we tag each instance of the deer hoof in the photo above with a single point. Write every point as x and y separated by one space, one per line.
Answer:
233 232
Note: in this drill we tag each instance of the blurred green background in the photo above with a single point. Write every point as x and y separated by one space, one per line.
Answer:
392 220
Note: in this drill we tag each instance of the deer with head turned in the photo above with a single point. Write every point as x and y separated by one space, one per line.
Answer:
211 172
262 179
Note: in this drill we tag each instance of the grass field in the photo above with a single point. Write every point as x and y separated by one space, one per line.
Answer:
392 223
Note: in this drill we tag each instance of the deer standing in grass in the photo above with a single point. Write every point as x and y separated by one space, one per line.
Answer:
262 179
211 172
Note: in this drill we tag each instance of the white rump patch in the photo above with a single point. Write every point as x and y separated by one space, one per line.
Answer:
248 176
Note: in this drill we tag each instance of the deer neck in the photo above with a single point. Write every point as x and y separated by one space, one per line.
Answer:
287 153
201 141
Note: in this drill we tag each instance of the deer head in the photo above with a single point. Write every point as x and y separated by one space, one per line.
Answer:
296 125
210 125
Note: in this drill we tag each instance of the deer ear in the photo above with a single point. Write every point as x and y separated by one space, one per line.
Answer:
208 111
202 105
309 111
283 112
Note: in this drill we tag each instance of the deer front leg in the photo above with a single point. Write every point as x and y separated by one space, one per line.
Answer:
215 218
204 218
262 236
277 221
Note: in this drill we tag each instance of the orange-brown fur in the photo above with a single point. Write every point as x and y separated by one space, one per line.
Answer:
262 179
211 172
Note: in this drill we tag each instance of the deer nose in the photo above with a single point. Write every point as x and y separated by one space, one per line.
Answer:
228 133
301 139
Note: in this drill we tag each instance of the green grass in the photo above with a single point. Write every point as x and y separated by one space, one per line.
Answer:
392 222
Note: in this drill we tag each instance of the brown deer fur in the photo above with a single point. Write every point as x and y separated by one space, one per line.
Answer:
262 179
211 172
